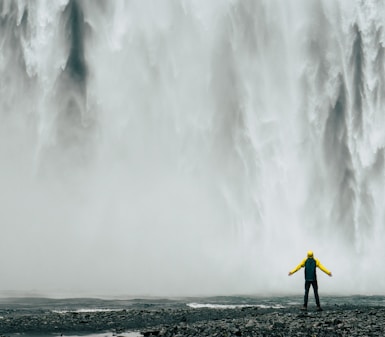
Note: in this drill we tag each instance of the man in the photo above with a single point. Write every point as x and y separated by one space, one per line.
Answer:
311 264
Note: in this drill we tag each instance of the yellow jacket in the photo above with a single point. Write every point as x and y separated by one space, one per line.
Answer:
318 264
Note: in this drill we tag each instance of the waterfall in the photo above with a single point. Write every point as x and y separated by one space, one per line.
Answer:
190 147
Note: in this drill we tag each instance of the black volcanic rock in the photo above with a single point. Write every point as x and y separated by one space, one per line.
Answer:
333 321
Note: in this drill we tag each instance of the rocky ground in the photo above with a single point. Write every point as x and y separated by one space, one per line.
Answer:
333 321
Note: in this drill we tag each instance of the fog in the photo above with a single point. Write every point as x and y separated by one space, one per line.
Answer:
190 148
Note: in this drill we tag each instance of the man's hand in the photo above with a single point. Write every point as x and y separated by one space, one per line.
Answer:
330 275
290 273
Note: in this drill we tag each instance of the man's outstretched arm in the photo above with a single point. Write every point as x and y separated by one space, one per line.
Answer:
302 264
323 268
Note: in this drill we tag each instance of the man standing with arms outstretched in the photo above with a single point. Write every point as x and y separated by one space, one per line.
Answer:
311 264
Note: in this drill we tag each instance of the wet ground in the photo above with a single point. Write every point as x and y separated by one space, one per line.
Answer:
227 316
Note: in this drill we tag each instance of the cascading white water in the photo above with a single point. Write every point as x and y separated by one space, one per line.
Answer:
190 147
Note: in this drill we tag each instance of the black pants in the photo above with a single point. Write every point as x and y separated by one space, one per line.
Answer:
315 288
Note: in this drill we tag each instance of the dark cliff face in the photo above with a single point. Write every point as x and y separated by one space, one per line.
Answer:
76 67
73 126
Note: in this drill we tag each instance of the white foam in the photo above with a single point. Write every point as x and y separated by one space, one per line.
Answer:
275 306
232 306
110 334
85 311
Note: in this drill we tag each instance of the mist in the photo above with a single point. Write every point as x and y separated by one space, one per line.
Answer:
188 148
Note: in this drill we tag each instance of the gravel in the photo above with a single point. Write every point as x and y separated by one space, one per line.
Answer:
338 320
